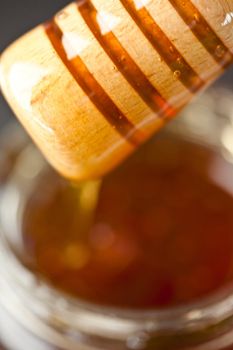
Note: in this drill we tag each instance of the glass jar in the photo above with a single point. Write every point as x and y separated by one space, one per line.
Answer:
34 315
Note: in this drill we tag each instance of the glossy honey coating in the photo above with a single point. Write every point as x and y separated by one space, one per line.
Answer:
101 77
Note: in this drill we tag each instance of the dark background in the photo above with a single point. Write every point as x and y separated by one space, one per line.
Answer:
18 16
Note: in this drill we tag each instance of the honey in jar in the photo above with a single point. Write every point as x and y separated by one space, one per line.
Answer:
155 233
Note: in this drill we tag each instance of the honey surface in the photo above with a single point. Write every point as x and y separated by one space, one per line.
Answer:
159 232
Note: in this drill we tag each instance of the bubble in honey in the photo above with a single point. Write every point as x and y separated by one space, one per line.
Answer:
122 58
177 74
220 51
179 60
196 17
171 49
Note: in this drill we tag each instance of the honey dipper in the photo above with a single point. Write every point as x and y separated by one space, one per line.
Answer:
102 76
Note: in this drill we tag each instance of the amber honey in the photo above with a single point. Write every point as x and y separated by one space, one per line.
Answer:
157 232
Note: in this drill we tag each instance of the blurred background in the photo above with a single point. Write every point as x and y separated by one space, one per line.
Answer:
17 17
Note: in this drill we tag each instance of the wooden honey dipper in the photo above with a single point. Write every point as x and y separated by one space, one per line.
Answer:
102 76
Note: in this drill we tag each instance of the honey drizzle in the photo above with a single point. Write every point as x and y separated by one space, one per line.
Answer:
203 31
92 88
163 45
124 62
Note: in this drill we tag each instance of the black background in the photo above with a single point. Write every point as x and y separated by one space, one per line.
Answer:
18 16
